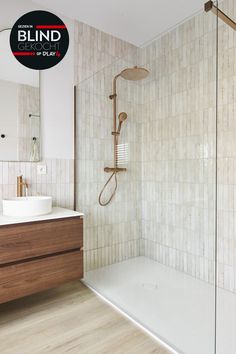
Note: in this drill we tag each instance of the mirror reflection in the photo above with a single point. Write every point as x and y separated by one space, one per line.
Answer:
19 107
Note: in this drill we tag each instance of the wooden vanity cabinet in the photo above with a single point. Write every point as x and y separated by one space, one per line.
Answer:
36 256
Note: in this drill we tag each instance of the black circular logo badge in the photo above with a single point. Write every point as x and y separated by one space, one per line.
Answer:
39 40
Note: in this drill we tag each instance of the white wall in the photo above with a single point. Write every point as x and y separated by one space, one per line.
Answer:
11 69
56 88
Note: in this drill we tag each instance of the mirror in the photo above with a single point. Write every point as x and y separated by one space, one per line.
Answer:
19 107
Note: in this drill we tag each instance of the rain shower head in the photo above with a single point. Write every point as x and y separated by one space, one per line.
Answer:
134 74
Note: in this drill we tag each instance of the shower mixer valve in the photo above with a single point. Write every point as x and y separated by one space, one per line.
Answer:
130 74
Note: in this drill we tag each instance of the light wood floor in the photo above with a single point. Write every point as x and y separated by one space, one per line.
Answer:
69 319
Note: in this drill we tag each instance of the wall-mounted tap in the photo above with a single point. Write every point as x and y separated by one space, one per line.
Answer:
20 185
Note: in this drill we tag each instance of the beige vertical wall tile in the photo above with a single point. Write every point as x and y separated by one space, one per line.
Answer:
111 233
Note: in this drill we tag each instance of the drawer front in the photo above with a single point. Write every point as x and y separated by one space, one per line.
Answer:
34 276
23 241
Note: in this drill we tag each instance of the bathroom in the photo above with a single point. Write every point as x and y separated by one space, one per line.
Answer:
117 181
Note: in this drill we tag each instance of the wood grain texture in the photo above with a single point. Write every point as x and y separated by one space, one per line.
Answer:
69 319
23 241
30 277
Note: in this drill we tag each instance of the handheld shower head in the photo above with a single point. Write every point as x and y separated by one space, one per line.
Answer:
122 117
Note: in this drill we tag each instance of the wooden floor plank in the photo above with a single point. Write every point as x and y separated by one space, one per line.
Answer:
69 319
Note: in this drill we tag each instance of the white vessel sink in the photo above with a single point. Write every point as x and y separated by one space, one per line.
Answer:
27 206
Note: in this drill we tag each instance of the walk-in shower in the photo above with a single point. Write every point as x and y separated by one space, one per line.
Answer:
164 251
131 74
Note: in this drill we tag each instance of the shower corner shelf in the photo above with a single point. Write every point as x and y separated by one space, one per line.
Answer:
112 169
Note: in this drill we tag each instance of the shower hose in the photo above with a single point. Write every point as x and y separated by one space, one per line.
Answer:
103 189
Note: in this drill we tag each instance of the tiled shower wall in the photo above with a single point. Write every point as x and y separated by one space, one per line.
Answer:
112 233
227 152
95 50
178 148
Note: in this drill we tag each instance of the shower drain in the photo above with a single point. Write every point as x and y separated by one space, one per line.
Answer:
150 286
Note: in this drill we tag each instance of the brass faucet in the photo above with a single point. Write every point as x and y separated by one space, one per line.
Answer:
20 185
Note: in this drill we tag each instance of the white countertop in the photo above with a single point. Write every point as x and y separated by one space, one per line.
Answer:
57 213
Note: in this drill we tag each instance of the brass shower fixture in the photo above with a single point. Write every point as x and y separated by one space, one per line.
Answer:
132 74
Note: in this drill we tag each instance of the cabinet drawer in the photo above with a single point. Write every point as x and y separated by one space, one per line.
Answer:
33 276
23 241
